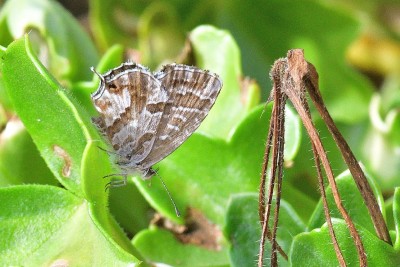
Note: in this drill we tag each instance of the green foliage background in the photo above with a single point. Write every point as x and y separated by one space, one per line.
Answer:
53 207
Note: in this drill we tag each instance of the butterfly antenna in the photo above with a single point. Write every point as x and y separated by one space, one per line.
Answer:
98 74
169 194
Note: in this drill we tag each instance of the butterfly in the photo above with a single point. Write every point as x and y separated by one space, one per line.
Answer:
145 116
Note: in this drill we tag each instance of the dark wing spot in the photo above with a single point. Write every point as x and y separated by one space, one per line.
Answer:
155 108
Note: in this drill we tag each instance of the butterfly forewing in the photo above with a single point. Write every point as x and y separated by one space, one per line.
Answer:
131 102
191 94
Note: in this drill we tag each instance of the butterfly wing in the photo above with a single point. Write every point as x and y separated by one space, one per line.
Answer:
130 102
191 94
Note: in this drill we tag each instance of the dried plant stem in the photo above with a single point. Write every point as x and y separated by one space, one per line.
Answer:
348 156
321 154
291 77
321 184
328 218
276 172
262 208
297 69
279 141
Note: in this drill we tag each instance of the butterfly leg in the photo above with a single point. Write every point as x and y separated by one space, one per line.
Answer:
107 151
115 183
149 173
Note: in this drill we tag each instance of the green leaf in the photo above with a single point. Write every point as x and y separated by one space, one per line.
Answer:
217 51
57 35
5 103
390 222
111 58
315 248
298 199
94 186
20 161
57 125
130 209
44 225
352 201
152 243
244 231
55 121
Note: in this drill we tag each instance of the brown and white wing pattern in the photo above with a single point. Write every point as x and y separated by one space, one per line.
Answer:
191 94
131 102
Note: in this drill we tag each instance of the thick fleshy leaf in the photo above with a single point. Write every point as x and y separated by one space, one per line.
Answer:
5 103
244 231
55 121
111 58
315 248
352 201
20 161
94 186
130 209
217 51
150 243
44 225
